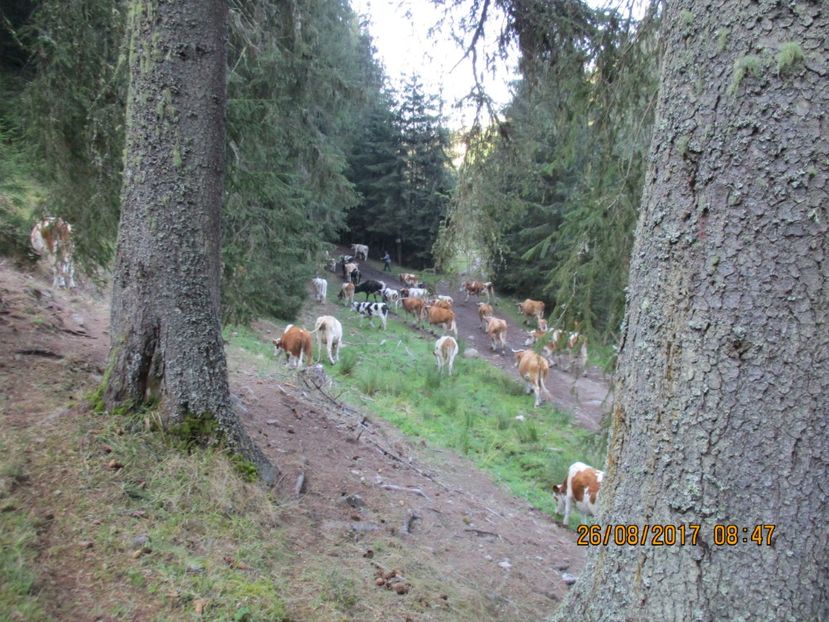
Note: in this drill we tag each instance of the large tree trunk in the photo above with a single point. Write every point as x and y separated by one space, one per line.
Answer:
166 336
722 409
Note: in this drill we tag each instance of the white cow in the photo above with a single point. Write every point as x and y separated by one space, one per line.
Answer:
446 349
328 328
320 289
52 237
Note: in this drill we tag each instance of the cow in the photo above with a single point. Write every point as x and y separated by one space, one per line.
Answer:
442 317
531 308
409 279
351 272
328 328
296 342
347 293
496 329
391 296
484 311
581 486
343 261
372 310
446 349
550 340
52 237
414 306
414 292
533 368
444 298
360 251
370 287
320 289
439 302
477 288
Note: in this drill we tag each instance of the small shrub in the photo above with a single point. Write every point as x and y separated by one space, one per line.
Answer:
789 55
527 432
369 381
348 361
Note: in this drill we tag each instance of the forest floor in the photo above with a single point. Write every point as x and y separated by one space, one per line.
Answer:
356 499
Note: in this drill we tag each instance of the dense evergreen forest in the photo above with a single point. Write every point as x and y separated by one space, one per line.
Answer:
321 149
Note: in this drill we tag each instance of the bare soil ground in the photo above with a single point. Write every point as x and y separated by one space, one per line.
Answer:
371 501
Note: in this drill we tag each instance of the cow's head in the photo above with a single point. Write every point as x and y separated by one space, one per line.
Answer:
530 340
518 354
559 495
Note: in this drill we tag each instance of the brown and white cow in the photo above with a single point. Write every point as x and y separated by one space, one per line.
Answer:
296 342
446 349
360 251
329 329
496 330
415 292
532 309
533 368
476 288
414 306
484 311
442 317
409 279
439 302
351 272
581 487
347 293
52 238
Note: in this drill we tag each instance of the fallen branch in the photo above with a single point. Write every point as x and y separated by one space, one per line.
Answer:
416 491
38 352
482 532
410 518
299 486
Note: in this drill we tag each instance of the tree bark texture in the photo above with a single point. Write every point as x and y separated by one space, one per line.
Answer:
166 334
722 408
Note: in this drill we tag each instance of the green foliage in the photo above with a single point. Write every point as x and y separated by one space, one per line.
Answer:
749 65
788 55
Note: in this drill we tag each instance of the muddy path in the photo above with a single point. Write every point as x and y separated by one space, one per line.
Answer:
586 398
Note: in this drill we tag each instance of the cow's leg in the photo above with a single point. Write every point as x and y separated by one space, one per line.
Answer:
330 346
567 504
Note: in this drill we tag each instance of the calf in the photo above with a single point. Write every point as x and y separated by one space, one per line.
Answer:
329 328
414 306
484 311
531 308
476 288
347 293
360 251
496 329
370 287
372 310
533 368
447 299
446 349
550 341
344 261
391 296
353 272
415 292
296 342
320 289
52 237
443 304
409 279
581 486
442 317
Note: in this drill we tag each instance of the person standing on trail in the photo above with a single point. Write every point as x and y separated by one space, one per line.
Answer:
386 262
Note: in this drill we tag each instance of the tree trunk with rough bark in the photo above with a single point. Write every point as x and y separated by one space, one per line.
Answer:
722 408
166 334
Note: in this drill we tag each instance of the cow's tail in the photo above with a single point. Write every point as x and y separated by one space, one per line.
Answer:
541 385
454 327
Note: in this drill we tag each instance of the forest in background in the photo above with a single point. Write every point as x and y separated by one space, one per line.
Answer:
321 149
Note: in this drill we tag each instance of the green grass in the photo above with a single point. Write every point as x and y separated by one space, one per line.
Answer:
392 374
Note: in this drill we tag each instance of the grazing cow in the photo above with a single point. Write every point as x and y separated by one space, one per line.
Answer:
531 308
343 261
414 306
409 279
360 251
328 328
444 298
581 487
296 342
52 237
351 272
484 311
370 287
446 349
496 329
533 368
372 310
442 317
320 289
391 296
347 293
415 292
476 288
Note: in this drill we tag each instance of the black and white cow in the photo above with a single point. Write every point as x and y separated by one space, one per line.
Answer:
372 310
370 287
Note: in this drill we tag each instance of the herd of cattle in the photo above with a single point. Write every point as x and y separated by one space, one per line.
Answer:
51 238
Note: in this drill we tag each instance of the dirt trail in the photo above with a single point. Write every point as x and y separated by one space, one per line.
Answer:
370 499
587 398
